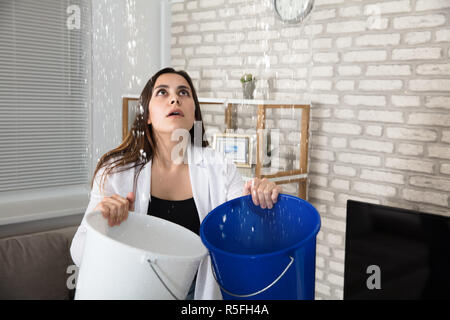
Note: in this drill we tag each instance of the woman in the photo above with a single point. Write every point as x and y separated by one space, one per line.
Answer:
152 173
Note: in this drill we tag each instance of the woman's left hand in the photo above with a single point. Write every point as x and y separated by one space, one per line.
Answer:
264 192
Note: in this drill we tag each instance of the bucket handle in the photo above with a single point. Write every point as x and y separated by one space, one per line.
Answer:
255 293
152 265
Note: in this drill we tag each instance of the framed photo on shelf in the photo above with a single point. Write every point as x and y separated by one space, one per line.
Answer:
237 147
130 108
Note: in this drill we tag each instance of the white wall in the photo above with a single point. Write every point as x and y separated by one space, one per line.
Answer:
378 76
131 41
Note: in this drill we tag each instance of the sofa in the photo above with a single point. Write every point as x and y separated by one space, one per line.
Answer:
37 266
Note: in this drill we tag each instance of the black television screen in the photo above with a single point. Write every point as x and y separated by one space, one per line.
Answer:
393 253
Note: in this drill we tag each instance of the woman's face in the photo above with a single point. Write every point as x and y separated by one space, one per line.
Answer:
172 104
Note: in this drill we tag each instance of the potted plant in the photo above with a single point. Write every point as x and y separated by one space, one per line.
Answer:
248 85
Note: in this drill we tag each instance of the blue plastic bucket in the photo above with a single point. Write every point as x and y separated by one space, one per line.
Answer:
263 253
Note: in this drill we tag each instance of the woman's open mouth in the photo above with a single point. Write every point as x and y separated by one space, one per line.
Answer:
175 113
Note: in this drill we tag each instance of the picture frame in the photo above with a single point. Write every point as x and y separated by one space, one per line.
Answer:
130 108
237 147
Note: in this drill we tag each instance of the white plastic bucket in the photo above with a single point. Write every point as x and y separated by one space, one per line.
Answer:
143 258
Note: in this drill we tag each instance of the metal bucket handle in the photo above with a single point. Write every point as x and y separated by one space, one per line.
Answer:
257 292
152 265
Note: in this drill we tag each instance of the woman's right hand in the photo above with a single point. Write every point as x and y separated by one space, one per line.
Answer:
115 208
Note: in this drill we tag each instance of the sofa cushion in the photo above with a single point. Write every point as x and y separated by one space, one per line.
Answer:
35 266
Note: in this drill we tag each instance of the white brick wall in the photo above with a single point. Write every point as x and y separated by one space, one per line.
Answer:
378 75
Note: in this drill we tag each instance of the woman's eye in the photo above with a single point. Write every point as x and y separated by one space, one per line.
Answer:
184 92
160 92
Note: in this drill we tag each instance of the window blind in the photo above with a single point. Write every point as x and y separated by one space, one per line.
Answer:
44 94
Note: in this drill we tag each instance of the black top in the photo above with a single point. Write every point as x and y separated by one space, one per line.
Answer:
182 212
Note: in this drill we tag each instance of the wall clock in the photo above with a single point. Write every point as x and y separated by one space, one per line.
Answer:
293 11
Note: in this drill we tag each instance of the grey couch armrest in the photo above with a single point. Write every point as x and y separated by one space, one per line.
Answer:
34 266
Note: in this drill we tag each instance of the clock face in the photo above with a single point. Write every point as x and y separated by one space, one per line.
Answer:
293 10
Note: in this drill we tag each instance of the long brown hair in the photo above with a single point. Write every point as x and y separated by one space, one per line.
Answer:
139 146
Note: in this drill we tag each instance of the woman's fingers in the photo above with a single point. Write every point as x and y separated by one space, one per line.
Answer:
267 188
275 192
247 188
112 211
114 208
251 187
258 188
104 209
115 211
254 191
123 205
268 196
131 199
264 192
